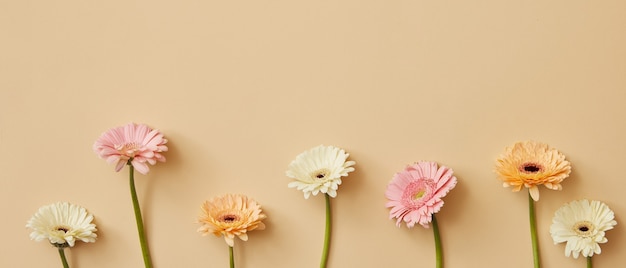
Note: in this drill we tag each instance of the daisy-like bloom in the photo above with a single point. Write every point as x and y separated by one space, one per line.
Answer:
415 193
136 143
62 224
582 224
529 164
319 170
231 215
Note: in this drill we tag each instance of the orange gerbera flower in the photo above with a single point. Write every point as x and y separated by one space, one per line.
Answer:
529 164
231 215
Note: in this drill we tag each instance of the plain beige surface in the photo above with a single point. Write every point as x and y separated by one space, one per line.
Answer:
241 87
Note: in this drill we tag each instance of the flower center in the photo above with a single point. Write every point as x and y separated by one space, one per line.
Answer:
584 228
419 195
62 229
320 174
418 192
530 168
228 218
128 149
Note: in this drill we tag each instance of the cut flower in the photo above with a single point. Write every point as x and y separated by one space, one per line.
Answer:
319 170
62 224
415 193
231 215
136 143
529 164
582 225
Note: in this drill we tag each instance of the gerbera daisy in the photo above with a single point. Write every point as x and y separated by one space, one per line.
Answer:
136 143
582 224
229 216
62 224
319 170
529 164
133 145
415 193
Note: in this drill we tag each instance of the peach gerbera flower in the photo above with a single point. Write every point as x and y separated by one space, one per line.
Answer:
529 164
415 193
136 143
229 216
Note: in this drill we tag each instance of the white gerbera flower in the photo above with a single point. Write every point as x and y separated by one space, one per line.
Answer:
582 225
319 170
62 224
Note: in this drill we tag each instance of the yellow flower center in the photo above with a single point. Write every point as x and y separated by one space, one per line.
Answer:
530 168
584 228
419 194
128 149
320 174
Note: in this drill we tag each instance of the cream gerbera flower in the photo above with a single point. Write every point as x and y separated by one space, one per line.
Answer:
231 215
582 225
529 164
62 224
319 170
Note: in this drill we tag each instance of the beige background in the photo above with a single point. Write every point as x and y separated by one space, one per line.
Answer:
241 87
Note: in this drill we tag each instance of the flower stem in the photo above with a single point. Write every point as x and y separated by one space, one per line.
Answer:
589 265
63 259
142 237
438 250
232 257
533 230
326 234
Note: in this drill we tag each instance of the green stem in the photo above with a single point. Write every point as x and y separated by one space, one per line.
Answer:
589 265
533 230
324 261
63 259
142 237
232 257
438 250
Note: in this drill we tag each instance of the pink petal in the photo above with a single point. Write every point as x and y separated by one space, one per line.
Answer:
140 167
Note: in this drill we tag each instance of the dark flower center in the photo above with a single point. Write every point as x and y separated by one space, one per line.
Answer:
64 229
320 174
584 229
530 168
229 218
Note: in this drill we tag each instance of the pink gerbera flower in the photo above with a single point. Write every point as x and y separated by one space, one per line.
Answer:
136 143
415 193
